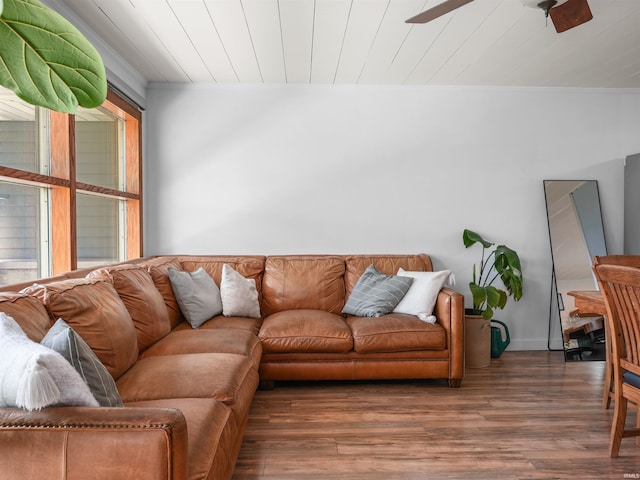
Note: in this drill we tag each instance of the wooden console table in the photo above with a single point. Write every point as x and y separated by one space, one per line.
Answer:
591 302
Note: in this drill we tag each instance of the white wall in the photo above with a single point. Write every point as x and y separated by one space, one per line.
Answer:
356 169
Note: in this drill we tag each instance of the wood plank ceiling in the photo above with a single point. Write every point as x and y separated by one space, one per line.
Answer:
487 42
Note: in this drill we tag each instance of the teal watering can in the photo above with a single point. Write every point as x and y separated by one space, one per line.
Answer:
498 345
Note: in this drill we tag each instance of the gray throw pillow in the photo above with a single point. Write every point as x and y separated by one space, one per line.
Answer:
376 294
197 295
64 340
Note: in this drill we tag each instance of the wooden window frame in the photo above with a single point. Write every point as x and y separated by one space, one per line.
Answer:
64 187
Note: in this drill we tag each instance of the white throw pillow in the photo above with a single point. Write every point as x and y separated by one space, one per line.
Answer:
33 376
239 294
197 295
423 292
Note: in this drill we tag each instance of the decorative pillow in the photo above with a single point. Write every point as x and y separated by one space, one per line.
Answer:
376 294
421 297
64 340
239 294
33 376
197 295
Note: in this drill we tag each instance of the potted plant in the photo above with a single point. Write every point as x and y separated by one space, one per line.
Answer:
499 262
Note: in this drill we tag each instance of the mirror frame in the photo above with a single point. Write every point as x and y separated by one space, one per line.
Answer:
574 349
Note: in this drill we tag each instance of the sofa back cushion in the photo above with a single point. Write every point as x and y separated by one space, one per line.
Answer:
158 268
295 282
387 264
144 302
94 310
28 312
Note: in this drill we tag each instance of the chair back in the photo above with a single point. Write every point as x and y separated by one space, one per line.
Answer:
627 260
620 287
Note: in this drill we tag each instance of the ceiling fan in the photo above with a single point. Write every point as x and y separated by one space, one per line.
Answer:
565 14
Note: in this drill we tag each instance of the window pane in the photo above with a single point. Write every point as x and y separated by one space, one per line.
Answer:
98 148
100 221
21 244
19 126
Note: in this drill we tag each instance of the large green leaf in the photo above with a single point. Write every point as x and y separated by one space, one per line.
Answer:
46 61
469 238
507 264
486 299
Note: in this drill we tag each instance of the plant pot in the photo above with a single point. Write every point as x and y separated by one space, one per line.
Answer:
477 341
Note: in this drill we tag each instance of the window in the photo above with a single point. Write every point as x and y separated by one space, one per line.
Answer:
69 187
23 247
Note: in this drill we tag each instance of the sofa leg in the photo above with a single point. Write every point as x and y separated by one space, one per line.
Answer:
267 384
455 382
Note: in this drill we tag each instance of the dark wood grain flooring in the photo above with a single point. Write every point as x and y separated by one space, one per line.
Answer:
529 415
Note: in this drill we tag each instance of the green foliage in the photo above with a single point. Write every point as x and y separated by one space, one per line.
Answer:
46 61
500 262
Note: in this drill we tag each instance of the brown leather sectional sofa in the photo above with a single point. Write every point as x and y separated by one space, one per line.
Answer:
187 393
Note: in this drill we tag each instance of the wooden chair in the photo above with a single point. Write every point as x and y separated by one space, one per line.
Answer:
620 287
629 261
626 260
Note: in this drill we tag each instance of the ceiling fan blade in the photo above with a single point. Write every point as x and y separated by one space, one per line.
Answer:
437 11
570 14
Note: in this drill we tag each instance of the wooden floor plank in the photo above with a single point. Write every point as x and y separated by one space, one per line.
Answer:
529 415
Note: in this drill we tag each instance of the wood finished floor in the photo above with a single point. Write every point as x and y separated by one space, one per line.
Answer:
528 416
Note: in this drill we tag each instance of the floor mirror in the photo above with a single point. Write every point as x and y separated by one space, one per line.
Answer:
576 234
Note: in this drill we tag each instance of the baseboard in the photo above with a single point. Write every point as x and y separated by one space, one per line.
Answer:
531 344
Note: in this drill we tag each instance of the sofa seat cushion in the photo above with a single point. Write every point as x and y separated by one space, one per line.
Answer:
210 428
219 340
305 331
222 376
395 332
251 325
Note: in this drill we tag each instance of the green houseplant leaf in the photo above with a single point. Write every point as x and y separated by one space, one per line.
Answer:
501 262
46 61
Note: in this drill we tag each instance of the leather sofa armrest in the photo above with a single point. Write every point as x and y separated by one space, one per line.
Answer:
449 310
98 443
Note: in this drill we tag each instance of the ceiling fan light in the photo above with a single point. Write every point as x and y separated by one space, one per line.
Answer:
545 5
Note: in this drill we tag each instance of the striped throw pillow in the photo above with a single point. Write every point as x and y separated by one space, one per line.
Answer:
376 294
